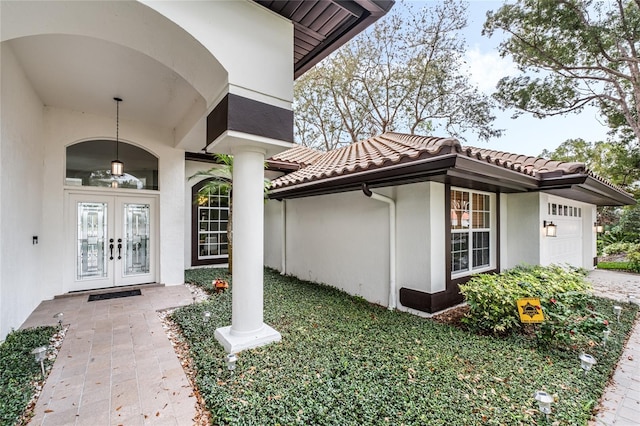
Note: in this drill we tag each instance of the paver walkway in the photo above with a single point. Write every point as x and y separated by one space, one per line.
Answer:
620 404
116 365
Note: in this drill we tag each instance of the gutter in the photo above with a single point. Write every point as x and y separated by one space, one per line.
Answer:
392 241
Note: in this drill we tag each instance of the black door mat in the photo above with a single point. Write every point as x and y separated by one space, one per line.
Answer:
114 295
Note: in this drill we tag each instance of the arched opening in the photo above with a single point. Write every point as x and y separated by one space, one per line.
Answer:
89 164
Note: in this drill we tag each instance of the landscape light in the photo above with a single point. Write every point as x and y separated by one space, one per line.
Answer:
59 317
206 315
544 402
617 310
40 354
586 362
606 333
231 361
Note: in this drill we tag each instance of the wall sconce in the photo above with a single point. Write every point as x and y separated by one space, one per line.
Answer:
586 362
599 228
544 402
551 229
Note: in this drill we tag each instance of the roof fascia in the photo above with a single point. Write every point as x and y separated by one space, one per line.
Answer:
394 175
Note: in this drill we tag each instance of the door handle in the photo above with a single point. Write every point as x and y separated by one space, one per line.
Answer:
111 249
119 248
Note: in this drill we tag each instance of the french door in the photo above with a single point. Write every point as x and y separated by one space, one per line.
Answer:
114 240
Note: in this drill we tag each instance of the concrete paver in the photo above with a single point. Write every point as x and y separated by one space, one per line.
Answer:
620 403
116 366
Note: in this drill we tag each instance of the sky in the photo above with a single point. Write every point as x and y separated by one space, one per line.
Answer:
525 134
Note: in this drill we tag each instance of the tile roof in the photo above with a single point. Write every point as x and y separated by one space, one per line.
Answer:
373 153
298 155
395 148
527 165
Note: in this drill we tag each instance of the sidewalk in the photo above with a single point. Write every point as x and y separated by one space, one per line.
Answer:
116 365
620 403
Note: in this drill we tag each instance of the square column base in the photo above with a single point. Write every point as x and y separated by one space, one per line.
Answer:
233 343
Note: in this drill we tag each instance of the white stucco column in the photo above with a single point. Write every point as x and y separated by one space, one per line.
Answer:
247 328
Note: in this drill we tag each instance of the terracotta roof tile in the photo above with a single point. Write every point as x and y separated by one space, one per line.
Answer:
527 165
377 152
300 155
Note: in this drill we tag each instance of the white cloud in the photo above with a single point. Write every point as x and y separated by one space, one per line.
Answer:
487 68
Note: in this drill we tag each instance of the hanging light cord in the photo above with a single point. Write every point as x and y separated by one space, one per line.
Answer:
118 100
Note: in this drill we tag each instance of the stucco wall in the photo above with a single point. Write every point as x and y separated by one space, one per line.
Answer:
343 240
273 236
338 239
521 229
259 62
21 195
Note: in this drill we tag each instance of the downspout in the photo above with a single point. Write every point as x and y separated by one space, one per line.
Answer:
392 241
283 243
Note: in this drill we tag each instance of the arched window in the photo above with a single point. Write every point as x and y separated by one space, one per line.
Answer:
89 164
210 218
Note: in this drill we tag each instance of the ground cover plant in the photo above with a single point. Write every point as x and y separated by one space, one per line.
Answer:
344 361
19 372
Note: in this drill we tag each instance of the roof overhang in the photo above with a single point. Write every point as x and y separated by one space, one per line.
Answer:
322 26
587 189
461 170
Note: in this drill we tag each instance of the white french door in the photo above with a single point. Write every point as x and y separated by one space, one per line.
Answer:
114 240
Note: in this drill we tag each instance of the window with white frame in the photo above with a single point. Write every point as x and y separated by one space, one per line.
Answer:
472 231
213 218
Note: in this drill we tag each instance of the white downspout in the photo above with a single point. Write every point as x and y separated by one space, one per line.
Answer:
392 241
283 243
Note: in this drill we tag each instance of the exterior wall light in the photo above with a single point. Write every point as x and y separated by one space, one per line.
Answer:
231 360
617 310
206 315
586 362
550 228
40 354
599 228
544 402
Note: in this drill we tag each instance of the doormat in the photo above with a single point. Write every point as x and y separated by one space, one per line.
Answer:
114 295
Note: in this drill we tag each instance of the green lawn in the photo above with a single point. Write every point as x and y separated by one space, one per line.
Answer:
343 361
616 266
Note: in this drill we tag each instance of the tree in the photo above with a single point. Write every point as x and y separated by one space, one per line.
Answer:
221 183
404 74
572 53
614 161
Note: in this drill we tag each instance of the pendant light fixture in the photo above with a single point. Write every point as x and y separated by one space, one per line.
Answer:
117 167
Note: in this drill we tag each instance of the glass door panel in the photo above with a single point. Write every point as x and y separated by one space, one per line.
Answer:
91 247
111 241
137 235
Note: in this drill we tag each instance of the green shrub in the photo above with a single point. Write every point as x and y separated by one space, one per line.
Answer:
18 371
634 261
492 298
620 248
